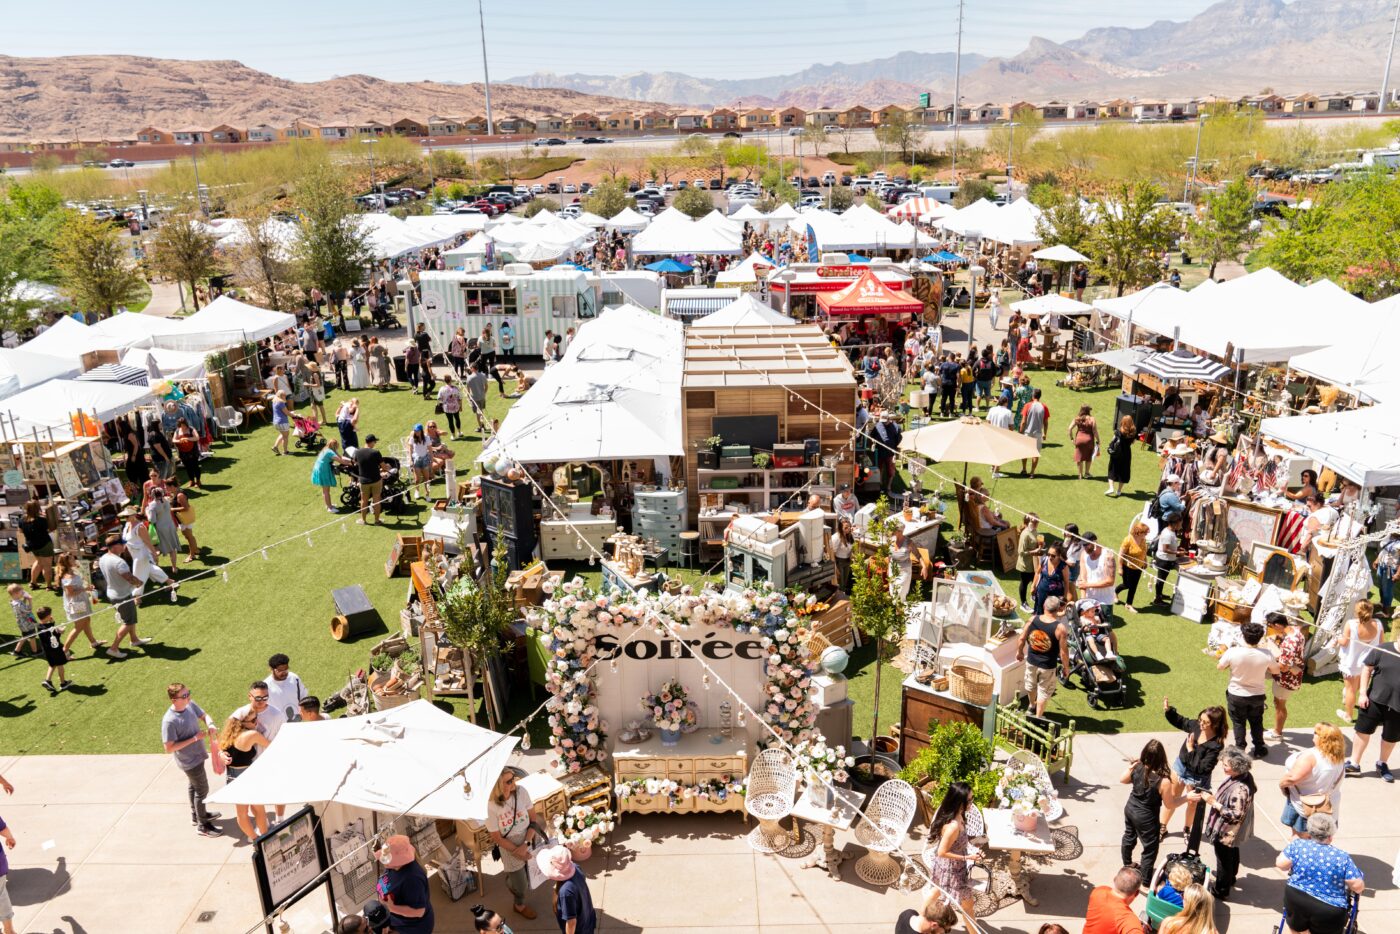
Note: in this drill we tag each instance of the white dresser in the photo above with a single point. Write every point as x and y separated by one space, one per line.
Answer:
561 539
693 761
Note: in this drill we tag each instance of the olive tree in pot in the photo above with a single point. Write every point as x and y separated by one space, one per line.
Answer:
956 752
475 615
880 613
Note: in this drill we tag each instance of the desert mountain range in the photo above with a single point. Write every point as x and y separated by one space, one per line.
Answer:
1234 47
101 95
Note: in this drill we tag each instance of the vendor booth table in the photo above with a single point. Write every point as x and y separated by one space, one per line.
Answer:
1003 835
695 760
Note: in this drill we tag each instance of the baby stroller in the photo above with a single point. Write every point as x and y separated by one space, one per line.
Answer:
1092 656
1157 909
308 434
394 492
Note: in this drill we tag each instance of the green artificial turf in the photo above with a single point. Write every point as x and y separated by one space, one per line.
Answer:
218 638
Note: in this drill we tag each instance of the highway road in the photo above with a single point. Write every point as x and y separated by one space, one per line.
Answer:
774 140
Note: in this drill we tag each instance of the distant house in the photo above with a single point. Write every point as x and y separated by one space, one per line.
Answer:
1115 108
1053 110
1301 104
301 129
1149 110
965 114
856 116
583 121
1364 101
823 117
619 120
756 119
474 125
653 120
552 123
191 134
722 118
408 126
439 125
1335 102
1265 103
372 128
14 145
262 133
223 133
689 121
1084 110
151 136
988 113
790 117
336 131
1182 109
515 124
884 114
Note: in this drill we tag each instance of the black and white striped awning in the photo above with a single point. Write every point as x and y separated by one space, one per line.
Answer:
1181 364
116 373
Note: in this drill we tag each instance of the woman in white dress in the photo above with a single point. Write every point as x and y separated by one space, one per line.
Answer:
1361 634
136 533
359 366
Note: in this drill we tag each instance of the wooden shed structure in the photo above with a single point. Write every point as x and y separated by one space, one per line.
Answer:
773 381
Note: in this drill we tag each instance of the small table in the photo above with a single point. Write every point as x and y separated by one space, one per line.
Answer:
842 815
1003 835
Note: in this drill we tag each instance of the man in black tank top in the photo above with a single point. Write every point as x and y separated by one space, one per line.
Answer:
1043 642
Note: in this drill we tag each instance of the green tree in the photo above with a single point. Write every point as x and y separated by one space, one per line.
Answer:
662 165
1064 220
93 265
183 251
607 199
972 190
901 132
333 250
31 215
476 615
1221 229
45 162
745 157
876 608
536 206
1004 140
694 147
1298 246
873 200
694 202
1131 233
262 265
842 197
812 137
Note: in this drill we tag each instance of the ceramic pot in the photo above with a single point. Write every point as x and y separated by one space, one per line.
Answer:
670 737
1025 823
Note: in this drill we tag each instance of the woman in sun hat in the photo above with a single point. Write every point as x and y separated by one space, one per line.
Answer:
572 900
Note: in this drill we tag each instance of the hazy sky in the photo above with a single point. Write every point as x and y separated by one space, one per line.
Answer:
307 40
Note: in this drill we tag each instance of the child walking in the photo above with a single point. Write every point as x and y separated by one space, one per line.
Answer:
52 647
23 606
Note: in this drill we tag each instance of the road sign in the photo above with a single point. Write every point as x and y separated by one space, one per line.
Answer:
923 100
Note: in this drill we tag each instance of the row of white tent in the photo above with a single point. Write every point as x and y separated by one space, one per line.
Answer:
41 384
388 236
1012 224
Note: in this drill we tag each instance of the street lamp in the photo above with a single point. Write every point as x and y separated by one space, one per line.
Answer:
373 184
432 178
1011 125
198 188
1195 160
973 271
561 192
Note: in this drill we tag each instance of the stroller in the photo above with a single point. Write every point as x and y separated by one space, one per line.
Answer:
308 433
1157 909
394 492
1093 657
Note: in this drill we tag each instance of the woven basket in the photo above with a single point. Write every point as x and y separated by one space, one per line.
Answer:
970 682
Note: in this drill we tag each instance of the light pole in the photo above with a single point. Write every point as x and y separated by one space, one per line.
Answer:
973 271
198 188
561 192
1195 161
373 184
957 89
432 177
1385 76
485 72
1011 125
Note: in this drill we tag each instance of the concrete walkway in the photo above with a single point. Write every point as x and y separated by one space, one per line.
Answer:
105 845
165 300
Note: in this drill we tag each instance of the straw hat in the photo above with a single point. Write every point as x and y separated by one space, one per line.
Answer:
1219 438
1181 450
129 512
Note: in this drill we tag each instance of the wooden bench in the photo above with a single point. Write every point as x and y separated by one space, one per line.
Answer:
1054 745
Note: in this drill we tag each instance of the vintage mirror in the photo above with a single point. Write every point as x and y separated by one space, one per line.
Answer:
582 479
1273 565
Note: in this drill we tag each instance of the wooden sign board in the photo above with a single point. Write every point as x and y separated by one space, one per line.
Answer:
1007 542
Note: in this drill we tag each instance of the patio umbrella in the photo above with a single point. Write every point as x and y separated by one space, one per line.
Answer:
970 440
115 373
1059 253
668 265
1181 364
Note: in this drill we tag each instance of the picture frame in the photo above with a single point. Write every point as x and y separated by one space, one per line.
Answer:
1247 523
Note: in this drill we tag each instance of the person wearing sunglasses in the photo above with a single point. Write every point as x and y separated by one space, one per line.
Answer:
184 729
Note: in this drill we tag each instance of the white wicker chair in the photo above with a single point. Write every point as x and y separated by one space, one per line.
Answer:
976 827
882 831
772 790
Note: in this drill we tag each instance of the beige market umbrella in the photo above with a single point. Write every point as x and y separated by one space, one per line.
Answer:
970 440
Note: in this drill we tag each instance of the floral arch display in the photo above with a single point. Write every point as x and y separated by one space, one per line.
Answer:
753 640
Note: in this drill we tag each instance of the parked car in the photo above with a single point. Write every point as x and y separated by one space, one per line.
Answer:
795 131
812 182
715 184
633 186
829 179
120 164
811 201
536 189
585 187
590 140
845 178
733 134
878 176
570 188
831 129
645 209
552 188
469 209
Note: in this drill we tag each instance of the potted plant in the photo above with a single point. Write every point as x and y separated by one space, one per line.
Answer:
956 752
823 767
475 614
880 614
581 826
959 551
762 459
670 711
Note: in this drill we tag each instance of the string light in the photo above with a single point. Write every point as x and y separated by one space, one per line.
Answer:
225 576
309 543
263 552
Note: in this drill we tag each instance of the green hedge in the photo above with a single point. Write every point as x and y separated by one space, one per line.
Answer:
872 157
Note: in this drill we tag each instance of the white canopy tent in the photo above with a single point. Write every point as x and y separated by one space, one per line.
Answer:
669 236
1159 308
753 269
745 311
1259 318
22 369
52 405
382 761
1362 361
749 213
976 217
172 364
67 338
1059 253
627 219
783 212
616 394
131 330
1359 444
1014 224
225 322
589 219
1052 304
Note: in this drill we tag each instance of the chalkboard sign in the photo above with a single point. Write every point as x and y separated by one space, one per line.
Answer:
757 431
